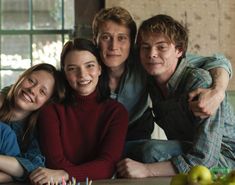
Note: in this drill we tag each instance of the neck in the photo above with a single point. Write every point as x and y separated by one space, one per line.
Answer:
116 72
19 114
115 75
162 79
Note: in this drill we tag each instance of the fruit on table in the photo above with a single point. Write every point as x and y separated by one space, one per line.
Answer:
199 175
179 179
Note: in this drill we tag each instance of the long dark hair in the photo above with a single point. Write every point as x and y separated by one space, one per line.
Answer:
80 44
6 111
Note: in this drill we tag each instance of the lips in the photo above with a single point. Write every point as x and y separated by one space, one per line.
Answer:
113 55
27 97
84 82
153 63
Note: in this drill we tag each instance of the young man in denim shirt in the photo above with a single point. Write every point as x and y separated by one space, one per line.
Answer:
192 139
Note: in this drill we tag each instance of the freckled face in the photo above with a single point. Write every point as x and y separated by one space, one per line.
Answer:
82 71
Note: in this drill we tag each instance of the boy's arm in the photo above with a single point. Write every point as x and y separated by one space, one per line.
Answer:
129 168
204 102
211 62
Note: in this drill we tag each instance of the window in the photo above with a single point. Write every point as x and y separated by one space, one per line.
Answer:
31 32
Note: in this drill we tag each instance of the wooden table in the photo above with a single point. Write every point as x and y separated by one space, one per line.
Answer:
145 181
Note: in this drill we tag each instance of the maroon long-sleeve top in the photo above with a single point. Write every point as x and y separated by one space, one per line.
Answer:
85 140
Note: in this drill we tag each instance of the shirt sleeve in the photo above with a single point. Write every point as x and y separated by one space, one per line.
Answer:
31 159
207 63
206 144
8 141
109 153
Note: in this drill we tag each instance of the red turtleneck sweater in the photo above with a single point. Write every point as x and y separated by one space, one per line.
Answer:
85 140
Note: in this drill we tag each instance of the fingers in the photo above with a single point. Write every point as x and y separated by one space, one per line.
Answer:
199 110
200 103
39 176
205 102
39 179
122 168
193 95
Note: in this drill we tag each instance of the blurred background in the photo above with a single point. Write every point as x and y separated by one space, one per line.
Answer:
34 31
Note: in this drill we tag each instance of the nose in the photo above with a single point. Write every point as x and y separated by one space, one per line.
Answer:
113 45
33 89
81 72
153 53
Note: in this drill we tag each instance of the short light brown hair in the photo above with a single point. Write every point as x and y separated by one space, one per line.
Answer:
118 15
169 27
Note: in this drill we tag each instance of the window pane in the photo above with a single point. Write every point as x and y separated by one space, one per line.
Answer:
47 14
69 14
15 51
47 48
9 77
15 14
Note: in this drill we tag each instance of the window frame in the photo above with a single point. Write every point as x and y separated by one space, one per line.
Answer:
32 32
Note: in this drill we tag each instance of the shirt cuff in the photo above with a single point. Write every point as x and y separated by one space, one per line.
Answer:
180 165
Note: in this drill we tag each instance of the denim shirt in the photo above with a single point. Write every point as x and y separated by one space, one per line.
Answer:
32 158
212 138
211 62
132 91
8 141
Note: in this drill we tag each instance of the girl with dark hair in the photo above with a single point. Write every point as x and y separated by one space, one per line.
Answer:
19 107
84 136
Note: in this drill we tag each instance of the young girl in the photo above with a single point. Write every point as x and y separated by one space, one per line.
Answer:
84 136
18 114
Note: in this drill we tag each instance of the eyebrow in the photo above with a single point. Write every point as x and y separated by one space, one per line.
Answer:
87 62
91 61
127 34
161 42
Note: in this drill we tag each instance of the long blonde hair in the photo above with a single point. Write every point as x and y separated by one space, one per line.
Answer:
6 111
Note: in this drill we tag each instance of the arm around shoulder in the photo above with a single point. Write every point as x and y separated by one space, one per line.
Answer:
209 99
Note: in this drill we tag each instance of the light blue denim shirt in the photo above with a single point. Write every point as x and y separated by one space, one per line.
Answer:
211 62
132 91
32 158
8 141
212 138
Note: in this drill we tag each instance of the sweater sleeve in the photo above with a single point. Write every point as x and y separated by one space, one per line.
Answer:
110 150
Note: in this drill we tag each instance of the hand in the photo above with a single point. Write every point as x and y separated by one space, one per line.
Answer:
129 168
45 175
4 178
207 102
